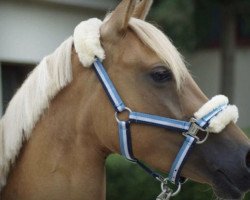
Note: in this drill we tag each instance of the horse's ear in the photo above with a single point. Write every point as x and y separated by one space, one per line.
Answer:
142 9
117 24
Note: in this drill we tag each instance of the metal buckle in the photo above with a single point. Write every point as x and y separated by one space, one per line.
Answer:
125 109
194 129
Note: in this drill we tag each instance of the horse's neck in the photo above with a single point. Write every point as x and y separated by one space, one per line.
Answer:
62 159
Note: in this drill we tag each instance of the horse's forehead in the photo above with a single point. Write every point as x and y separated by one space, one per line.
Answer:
133 49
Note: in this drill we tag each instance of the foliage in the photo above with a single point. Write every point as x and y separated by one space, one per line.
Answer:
247 130
177 19
196 24
126 181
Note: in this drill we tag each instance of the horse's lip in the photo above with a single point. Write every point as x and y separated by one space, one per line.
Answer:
225 188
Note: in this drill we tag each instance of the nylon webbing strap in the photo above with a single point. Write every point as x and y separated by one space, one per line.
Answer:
125 140
149 171
108 86
176 125
204 121
126 148
174 174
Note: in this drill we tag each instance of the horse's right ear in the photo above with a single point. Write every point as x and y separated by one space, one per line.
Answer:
117 24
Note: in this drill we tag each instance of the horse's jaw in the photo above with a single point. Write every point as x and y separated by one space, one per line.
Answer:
225 189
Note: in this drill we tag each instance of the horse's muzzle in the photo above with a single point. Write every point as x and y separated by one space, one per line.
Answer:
232 179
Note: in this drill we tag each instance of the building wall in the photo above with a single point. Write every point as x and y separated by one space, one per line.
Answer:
1 97
96 4
242 87
205 67
30 30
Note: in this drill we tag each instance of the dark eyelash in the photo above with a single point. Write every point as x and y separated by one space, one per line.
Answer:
161 75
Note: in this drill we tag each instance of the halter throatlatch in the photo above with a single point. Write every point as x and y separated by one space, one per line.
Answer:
211 117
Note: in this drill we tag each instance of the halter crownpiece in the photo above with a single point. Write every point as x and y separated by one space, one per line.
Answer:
213 116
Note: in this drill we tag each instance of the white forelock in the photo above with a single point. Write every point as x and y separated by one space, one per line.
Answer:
87 41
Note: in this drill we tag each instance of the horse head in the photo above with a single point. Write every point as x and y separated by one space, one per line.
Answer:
66 125
151 76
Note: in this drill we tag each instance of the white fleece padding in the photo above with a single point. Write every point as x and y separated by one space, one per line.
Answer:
87 41
218 123
215 102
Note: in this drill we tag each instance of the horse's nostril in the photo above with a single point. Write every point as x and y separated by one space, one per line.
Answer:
248 159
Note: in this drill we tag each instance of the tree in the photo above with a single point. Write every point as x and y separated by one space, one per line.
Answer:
176 17
228 50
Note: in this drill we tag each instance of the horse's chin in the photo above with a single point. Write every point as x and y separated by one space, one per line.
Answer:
228 193
225 189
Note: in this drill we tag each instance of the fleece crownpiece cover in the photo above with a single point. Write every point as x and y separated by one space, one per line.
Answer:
87 41
219 122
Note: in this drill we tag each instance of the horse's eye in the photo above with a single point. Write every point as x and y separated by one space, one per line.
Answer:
161 74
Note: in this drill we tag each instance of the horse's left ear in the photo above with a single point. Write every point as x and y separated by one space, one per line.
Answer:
117 24
142 9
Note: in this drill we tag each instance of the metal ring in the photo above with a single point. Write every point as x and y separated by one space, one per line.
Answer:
177 191
197 138
204 140
125 109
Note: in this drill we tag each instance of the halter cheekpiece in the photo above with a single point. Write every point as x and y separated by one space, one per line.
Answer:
211 117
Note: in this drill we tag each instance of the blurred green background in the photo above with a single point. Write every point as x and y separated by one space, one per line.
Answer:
191 25
126 181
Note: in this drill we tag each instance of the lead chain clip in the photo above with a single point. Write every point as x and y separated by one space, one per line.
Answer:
167 192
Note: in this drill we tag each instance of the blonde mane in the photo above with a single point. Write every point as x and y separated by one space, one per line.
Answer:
158 42
24 110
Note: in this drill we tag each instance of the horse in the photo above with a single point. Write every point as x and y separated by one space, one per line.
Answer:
60 127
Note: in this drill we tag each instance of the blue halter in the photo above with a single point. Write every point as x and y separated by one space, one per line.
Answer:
188 129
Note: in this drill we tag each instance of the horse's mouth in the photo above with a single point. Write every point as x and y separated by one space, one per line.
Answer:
225 188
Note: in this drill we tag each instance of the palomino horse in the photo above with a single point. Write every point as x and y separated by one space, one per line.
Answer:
61 123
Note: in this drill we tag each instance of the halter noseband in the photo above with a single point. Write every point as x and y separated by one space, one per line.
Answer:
188 129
